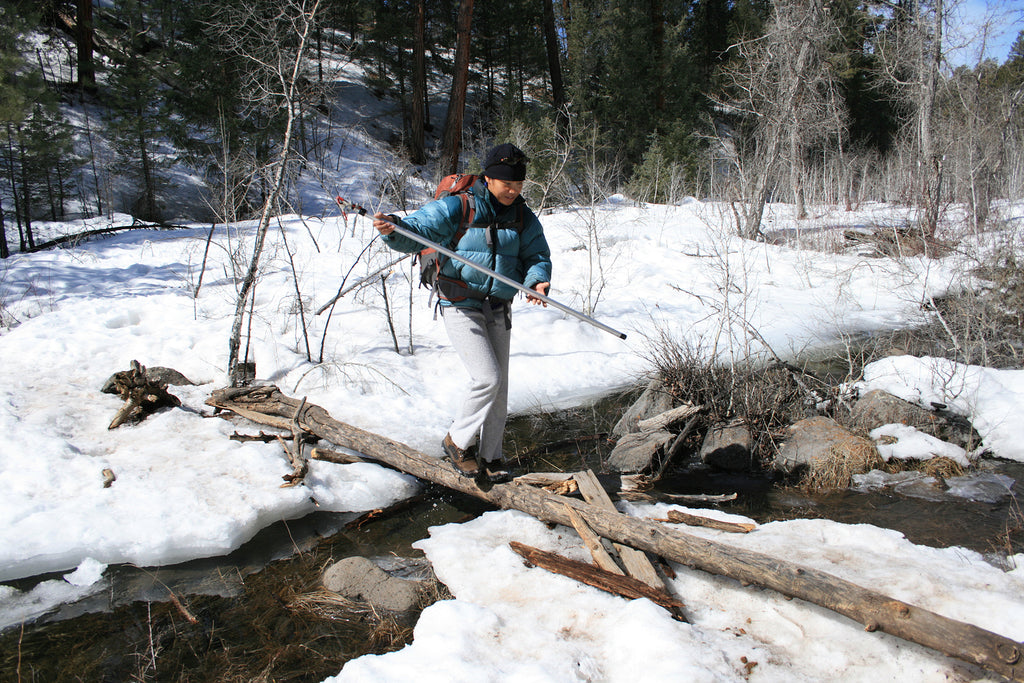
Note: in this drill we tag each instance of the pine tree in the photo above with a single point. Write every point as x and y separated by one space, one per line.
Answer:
36 153
136 119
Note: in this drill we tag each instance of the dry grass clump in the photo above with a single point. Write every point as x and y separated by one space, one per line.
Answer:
845 459
939 467
388 632
326 604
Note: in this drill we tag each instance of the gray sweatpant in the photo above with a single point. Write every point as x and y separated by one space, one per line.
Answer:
481 339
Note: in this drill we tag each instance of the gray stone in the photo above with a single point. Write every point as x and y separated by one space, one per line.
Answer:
653 401
877 408
358 578
635 452
156 375
727 446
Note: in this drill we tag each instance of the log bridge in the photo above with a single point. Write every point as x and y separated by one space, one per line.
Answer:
877 612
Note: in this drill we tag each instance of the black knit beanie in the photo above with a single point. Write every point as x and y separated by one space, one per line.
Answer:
505 162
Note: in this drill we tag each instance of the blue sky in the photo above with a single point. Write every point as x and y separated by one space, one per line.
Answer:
1005 19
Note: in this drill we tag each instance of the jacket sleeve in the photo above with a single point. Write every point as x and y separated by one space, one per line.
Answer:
534 253
438 221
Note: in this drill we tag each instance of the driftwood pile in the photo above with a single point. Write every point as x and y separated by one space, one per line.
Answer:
144 392
595 518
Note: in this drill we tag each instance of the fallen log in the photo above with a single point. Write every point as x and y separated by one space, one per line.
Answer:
591 575
876 611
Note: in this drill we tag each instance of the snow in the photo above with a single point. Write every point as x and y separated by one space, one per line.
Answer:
514 623
184 489
991 397
904 442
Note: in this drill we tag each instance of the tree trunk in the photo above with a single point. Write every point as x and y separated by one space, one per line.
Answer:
930 161
417 153
12 176
4 252
27 239
149 185
657 18
290 79
457 100
554 61
878 612
86 66
795 169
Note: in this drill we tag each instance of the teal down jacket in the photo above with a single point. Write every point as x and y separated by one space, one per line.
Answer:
523 255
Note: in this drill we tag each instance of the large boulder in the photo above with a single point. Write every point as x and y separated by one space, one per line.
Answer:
727 446
820 443
358 578
877 408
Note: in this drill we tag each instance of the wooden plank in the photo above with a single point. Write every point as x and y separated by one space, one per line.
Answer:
635 561
593 543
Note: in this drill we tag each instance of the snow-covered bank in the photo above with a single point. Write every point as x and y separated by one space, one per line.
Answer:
183 489
510 622
992 399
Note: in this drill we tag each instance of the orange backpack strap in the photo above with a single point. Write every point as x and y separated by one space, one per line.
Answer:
468 214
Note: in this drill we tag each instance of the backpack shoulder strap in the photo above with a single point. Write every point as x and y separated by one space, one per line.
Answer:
467 215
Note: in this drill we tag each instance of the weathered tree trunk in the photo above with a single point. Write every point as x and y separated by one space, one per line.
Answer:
417 153
457 100
878 612
86 65
554 60
142 395
930 162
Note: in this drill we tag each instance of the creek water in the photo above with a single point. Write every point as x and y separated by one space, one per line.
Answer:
242 617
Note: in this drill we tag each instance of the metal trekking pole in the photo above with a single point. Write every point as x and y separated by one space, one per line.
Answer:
345 204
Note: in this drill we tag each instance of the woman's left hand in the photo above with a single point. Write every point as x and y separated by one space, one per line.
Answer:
540 288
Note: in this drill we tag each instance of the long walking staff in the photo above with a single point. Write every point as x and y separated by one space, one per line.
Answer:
349 206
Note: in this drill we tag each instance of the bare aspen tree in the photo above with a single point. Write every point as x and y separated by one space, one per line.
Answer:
974 124
274 43
784 95
931 180
911 51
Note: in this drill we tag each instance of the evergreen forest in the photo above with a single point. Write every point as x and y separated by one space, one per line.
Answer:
740 101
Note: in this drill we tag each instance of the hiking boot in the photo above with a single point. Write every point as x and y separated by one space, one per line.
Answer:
497 471
463 460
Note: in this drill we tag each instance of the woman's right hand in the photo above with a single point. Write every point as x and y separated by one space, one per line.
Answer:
383 224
